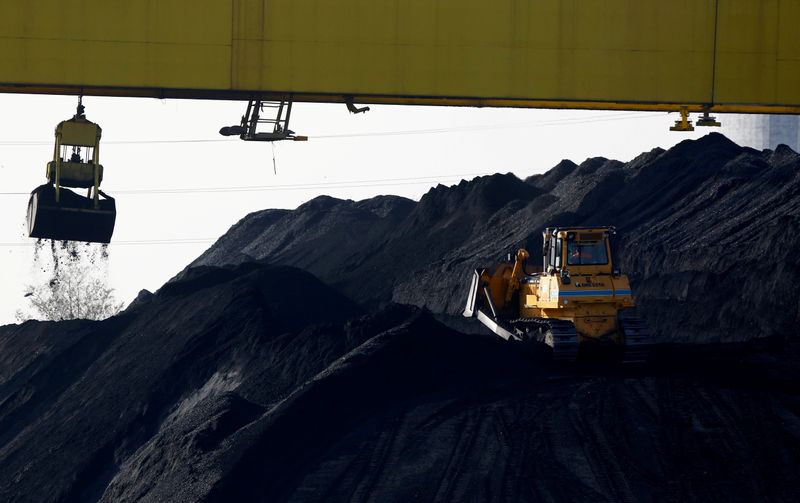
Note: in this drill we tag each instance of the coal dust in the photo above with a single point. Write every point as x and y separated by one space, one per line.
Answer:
69 281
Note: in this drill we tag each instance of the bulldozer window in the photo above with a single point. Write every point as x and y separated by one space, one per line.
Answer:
559 244
555 249
586 253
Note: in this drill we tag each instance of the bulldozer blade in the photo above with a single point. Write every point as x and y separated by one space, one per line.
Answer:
73 218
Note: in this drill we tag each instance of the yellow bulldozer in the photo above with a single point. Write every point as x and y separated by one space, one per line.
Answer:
577 302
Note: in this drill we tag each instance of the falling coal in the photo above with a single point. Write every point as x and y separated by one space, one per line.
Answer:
71 283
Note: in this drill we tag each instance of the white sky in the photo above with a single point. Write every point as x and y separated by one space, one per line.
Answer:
144 252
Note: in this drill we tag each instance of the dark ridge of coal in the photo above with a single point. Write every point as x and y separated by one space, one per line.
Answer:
178 463
80 397
374 378
143 297
449 433
470 201
37 368
695 223
549 180
446 217
216 393
219 393
234 238
393 207
325 247
363 248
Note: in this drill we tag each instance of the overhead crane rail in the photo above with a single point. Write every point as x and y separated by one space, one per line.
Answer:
689 56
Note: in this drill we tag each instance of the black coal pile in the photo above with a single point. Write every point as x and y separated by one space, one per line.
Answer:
709 232
259 383
255 381
77 398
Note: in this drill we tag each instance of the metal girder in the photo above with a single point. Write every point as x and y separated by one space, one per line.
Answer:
697 55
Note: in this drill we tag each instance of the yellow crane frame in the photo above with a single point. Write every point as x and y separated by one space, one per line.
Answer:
691 55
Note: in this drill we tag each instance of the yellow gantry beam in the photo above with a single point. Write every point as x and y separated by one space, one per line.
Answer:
716 55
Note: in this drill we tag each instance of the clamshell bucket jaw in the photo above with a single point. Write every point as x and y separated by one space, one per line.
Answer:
72 218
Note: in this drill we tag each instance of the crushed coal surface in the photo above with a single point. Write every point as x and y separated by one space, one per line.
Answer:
229 386
264 374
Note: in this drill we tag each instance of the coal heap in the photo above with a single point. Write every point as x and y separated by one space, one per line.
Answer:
708 234
256 381
228 386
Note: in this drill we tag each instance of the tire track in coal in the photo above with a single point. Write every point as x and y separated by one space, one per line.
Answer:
723 436
379 454
602 436
731 427
748 426
513 476
562 460
685 412
533 455
467 435
674 413
603 458
535 436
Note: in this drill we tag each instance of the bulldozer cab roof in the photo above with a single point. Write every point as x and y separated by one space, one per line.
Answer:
595 228
590 233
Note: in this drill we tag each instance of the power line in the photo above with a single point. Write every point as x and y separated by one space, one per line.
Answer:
488 127
457 129
147 242
25 143
321 185
348 184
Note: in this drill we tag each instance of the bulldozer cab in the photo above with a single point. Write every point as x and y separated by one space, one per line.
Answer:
54 211
579 250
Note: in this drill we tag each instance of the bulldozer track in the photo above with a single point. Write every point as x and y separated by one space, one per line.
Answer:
638 340
560 335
